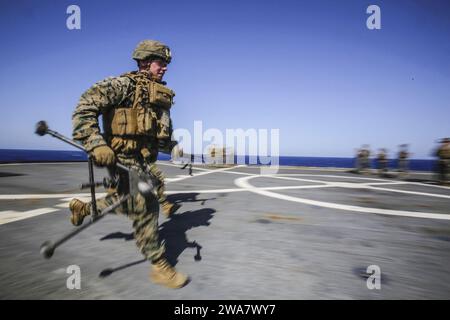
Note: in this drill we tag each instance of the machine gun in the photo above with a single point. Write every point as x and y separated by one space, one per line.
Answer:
144 184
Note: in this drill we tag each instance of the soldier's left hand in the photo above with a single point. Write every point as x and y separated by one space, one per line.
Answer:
104 156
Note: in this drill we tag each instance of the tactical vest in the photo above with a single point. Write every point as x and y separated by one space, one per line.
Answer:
132 128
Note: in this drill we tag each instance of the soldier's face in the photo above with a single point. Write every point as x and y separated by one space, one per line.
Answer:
158 68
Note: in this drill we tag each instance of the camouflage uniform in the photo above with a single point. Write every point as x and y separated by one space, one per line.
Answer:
135 109
359 161
382 162
133 125
403 160
363 161
444 161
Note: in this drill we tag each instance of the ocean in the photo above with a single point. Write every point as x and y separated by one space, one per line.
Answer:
18 156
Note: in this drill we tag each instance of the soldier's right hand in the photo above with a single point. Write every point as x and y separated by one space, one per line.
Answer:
104 156
177 152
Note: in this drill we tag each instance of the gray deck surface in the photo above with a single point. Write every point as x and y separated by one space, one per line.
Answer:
313 238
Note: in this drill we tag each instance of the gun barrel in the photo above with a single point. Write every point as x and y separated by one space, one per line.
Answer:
42 129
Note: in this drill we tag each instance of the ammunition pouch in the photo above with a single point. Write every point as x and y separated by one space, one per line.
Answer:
160 95
142 147
133 122
162 98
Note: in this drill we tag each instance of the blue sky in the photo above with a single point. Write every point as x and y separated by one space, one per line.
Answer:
309 68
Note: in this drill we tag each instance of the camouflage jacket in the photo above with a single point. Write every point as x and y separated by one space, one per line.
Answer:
444 152
101 99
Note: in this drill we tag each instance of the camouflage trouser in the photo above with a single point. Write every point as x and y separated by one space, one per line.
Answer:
358 164
143 211
402 165
382 166
443 170
366 164
161 187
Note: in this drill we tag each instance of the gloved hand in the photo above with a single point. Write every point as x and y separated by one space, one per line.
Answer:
103 156
177 152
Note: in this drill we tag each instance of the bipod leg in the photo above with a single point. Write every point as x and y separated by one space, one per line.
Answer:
94 212
49 247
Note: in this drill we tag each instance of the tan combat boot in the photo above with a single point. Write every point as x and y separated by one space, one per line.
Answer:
169 208
164 274
79 210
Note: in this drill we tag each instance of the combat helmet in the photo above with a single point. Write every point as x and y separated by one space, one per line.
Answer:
151 48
